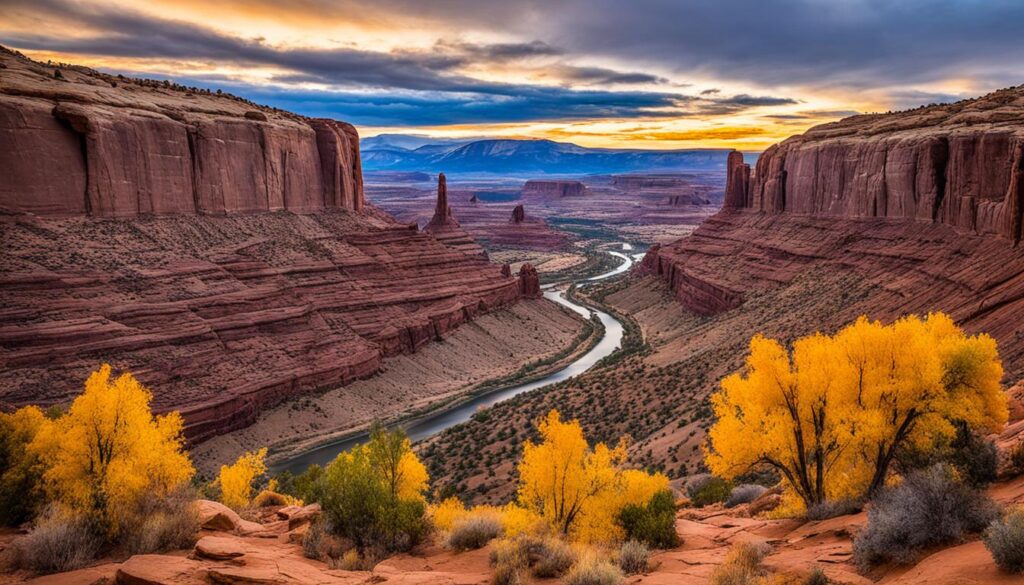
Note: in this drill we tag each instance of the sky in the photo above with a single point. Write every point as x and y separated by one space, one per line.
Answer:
601 73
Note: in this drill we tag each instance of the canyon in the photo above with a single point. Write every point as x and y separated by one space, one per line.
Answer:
924 205
558 215
222 251
852 218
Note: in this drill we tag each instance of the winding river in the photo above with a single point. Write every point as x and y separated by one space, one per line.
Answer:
440 420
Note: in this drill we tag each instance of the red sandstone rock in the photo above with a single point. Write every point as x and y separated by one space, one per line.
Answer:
135 231
924 205
518 214
959 164
529 282
219 548
84 147
446 229
442 212
554 188
737 182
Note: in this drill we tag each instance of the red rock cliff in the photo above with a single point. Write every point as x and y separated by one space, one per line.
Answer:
96 145
136 231
923 206
961 165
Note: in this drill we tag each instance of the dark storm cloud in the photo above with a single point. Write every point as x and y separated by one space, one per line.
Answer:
603 76
390 108
501 51
378 88
842 43
128 34
847 43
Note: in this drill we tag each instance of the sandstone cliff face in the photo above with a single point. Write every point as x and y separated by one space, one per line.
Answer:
924 204
107 147
220 251
961 165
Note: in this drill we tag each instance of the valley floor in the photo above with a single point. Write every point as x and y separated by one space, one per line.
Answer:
658 394
494 345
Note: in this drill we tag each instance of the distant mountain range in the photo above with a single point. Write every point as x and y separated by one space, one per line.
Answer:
400 152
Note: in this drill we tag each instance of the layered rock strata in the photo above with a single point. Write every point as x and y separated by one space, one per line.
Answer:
960 165
924 204
91 144
219 250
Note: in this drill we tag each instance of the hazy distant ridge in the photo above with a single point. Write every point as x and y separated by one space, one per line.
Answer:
417 153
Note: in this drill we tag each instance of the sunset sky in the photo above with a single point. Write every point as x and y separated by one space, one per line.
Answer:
621 73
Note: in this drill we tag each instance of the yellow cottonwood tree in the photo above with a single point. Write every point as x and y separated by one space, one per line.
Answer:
830 415
579 490
236 480
109 451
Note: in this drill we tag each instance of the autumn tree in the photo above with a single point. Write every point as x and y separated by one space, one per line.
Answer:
236 480
108 451
830 415
20 468
373 494
577 489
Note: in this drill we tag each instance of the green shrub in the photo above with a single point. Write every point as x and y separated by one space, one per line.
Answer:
633 557
21 491
974 457
308 485
653 523
929 508
1005 540
363 505
707 489
1017 459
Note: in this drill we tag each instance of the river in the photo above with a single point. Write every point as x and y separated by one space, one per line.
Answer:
440 420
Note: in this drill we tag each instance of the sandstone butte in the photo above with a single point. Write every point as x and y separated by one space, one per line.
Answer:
220 250
925 204
547 188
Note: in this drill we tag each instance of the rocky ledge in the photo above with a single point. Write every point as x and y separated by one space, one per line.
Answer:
925 204
220 250
77 142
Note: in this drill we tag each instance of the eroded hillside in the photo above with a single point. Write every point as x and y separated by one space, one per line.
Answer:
219 249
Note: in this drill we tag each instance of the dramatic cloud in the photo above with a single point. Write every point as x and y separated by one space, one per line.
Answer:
748 72
411 87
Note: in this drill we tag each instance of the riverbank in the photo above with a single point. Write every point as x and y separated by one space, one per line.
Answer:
606 341
495 345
